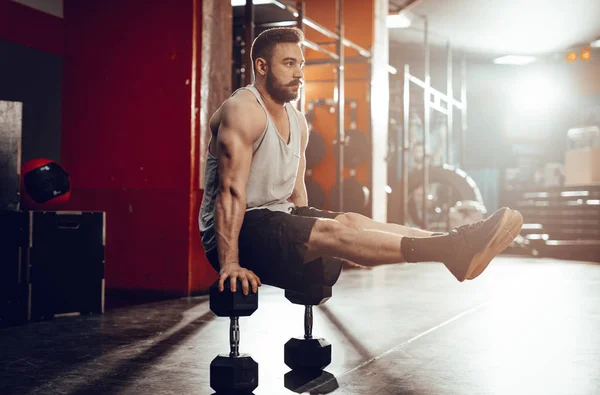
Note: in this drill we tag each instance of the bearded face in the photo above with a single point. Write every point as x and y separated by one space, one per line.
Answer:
285 74
282 91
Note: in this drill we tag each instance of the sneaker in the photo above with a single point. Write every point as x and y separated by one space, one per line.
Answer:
475 245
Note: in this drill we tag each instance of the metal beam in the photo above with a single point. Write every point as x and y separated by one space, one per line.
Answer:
326 32
463 99
405 143
433 91
340 97
249 38
450 119
316 47
426 128
300 6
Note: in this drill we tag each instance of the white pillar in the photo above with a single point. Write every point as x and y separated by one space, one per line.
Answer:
380 100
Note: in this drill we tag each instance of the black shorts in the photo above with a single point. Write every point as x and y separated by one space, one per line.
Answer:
272 245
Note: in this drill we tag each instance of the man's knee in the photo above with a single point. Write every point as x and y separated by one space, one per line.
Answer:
326 234
353 220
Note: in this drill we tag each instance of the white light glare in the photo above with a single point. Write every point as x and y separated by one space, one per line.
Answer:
514 60
398 21
536 93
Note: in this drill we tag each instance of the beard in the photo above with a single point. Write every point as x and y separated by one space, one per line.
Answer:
282 93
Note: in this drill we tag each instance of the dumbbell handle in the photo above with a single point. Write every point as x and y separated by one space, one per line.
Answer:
234 337
308 322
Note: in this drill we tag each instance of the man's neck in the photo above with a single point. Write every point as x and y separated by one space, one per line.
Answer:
273 106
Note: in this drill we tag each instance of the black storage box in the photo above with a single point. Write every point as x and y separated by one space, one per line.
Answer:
14 273
60 258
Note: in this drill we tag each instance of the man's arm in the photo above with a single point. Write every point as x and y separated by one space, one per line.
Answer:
239 128
299 196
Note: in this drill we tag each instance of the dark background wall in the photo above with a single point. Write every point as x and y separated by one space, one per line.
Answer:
34 78
31 49
112 92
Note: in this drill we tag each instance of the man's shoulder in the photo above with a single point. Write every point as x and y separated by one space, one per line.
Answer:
244 106
242 100
242 112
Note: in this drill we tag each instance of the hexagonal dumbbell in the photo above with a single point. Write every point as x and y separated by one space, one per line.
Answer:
233 373
308 352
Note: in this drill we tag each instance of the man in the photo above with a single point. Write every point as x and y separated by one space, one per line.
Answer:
254 219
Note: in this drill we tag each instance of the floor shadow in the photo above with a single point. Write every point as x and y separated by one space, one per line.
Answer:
310 381
73 352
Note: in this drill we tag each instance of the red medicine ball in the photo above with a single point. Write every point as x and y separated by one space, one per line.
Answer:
45 185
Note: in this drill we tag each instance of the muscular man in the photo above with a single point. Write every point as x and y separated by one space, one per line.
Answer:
254 220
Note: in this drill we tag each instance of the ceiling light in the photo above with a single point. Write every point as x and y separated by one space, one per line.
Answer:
398 21
237 3
595 44
514 60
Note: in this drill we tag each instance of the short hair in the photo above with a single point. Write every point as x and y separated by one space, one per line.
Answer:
265 42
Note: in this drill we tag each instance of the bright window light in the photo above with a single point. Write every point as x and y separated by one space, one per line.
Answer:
398 21
530 97
536 93
595 44
514 60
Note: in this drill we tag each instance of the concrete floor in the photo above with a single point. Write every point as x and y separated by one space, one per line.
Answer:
526 326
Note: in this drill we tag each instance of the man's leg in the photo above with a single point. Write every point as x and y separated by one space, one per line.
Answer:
359 221
466 251
366 247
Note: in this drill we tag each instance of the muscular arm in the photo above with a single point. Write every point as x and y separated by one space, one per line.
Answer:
238 129
299 196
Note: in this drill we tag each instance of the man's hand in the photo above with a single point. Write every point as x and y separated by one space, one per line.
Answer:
235 271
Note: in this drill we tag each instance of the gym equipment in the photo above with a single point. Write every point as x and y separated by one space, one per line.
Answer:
14 273
316 194
356 148
562 222
356 195
66 258
52 264
356 144
308 352
432 99
315 150
45 184
233 373
447 186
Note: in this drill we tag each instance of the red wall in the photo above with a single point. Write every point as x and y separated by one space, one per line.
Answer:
130 140
31 28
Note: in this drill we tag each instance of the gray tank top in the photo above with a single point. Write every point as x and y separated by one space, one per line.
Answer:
272 172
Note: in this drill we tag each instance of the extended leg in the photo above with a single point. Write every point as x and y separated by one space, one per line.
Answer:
356 220
466 251
366 247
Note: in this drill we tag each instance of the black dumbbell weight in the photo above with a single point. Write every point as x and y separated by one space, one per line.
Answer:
315 192
308 352
357 148
233 373
356 195
315 150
